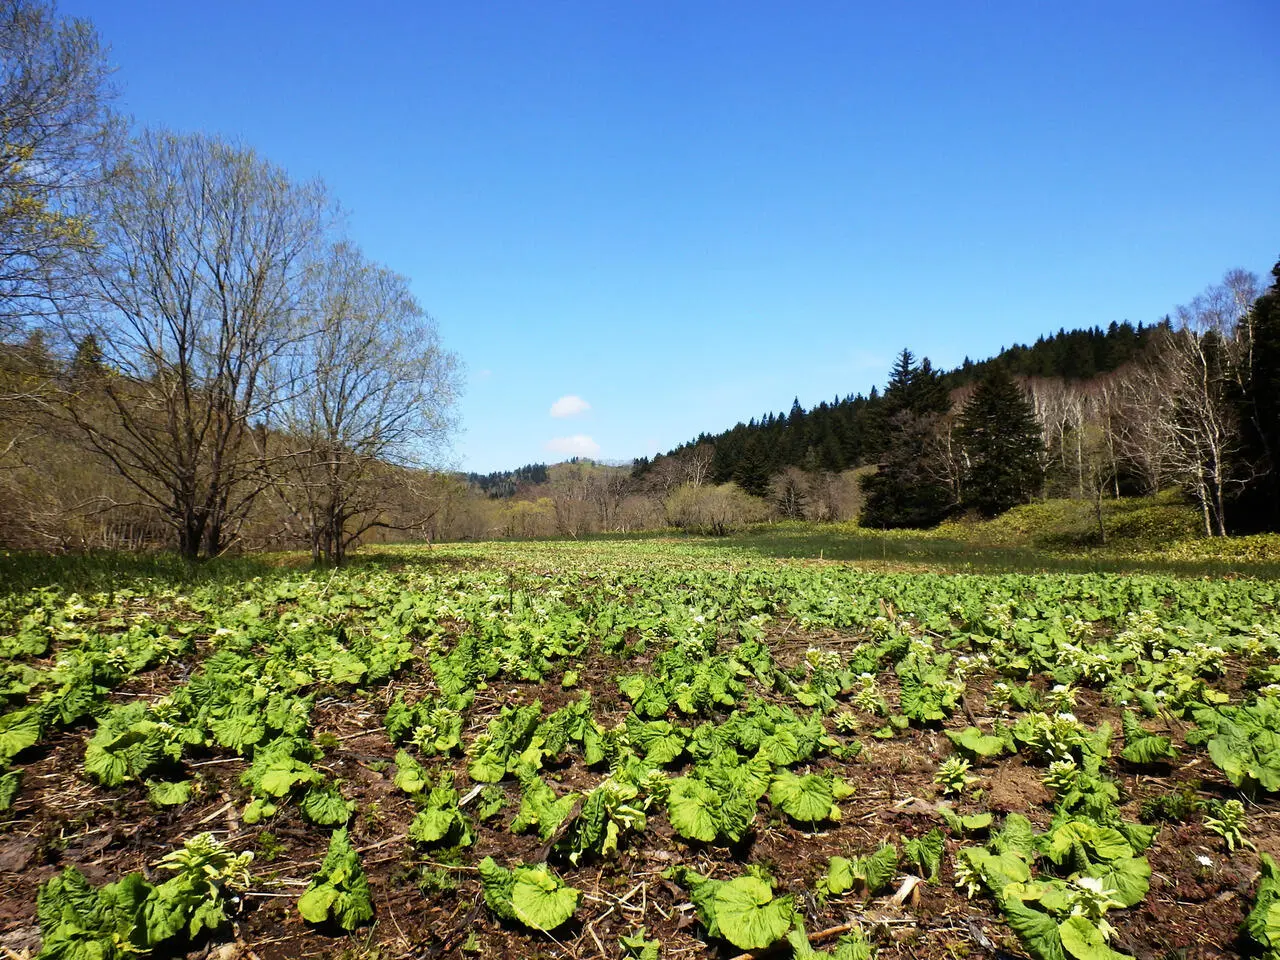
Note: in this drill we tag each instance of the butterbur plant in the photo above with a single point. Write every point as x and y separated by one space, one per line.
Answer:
953 775
868 696
1229 824
845 721
205 871
1060 698
340 889
1061 776
531 895
1090 898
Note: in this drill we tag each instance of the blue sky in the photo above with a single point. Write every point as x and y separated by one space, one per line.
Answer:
685 214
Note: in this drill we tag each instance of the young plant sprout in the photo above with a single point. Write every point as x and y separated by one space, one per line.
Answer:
1229 825
953 775
1090 898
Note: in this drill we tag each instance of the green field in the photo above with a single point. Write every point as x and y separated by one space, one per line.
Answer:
641 748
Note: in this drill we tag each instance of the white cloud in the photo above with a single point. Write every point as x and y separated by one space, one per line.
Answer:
579 445
569 406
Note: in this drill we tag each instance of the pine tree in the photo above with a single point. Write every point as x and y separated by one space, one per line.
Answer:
1003 443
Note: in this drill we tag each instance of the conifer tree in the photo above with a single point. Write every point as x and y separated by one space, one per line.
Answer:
1003 443
1258 503
905 491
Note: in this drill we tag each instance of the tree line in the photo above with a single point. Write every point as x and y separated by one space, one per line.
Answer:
187 324
1188 402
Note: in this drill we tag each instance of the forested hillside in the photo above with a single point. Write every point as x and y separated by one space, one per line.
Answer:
851 432
1188 402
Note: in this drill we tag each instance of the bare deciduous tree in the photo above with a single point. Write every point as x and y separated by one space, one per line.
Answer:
372 388
204 247
56 131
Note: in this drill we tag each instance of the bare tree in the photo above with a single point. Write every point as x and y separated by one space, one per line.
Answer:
1142 441
607 488
56 132
789 492
374 390
204 249
568 484
1181 411
691 465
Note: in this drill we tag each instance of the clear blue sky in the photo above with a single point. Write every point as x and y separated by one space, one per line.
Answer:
686 213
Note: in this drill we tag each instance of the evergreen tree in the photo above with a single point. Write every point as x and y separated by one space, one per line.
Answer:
1258 505
1003 443
905 490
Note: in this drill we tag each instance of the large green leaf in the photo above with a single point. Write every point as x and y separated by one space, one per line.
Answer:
1016 836
1083 941
325 805
1102 843
1037 930
18 730
284 773
164 793
411 776
807 799
691 807
926 852
1129 877
497 883
974 742
541 901
748 915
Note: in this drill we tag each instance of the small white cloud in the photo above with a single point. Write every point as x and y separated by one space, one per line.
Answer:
579 445
569 406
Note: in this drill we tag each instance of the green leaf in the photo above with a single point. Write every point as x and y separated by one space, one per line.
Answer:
339 890
692 807
431 826
18 730
411 776
1104 842
1037 930
970 823
1017 836
975 743
325 806
241 729
497 884
10 782
164 793
257 810
1129 877
748 916
315 903
807 799
1143 747
926 852
1082 940
540 900
869 874
635 946
282 774
878 869
840 878
997 870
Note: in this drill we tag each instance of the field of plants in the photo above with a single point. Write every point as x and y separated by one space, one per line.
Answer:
639 750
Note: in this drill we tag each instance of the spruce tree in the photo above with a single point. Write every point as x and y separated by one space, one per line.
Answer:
1003 443
1257 505
905 490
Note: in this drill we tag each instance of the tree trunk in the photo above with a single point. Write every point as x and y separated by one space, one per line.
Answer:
1097 507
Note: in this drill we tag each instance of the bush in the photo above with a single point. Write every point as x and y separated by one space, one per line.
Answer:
717 511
